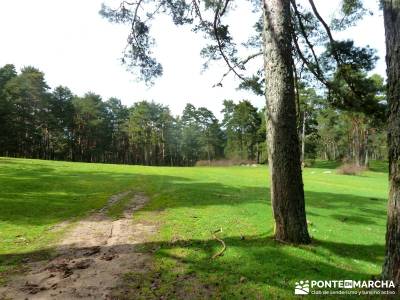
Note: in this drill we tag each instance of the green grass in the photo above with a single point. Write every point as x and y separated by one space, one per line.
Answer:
116 210
347 216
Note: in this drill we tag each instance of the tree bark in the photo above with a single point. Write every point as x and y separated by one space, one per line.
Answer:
287 195
391 266
366 149
303 138
356 143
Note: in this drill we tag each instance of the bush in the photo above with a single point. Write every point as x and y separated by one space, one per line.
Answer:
351 169
308 163
224 163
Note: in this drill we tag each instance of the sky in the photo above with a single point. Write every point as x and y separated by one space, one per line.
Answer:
75 47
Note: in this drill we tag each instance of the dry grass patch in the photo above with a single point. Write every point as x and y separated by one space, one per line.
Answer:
351 169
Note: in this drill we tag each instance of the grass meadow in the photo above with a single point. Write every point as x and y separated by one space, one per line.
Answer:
346 216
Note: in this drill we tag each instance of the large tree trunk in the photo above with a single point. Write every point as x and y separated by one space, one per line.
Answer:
391 266
287 193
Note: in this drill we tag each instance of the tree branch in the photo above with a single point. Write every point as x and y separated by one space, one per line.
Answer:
327 29
220 47
197 9
242 63
310 67
304 34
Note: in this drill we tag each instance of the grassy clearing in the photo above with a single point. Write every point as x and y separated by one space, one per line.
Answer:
347 216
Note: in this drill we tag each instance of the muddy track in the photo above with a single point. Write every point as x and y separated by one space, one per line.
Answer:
91 258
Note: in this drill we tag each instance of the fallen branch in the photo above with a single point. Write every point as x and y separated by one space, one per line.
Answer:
219 253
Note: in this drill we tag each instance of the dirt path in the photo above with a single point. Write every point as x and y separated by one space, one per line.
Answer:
90 259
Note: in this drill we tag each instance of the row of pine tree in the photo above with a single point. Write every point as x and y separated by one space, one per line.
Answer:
37 122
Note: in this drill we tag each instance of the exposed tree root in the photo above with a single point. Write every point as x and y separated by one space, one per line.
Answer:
282 241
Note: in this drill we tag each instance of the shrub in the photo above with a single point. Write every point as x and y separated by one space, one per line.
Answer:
351 169
308 163
203 163
225 163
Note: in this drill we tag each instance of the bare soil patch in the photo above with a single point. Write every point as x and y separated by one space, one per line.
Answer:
90 260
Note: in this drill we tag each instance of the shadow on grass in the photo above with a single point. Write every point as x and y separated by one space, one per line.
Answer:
379 166
267 263
353 219
43 196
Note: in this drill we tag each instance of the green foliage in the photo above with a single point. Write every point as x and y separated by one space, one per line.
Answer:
60 125
202 137
91 134
351 12
254 84
353 130
309 107
57 124
350 136
243 123
27 97
7 72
